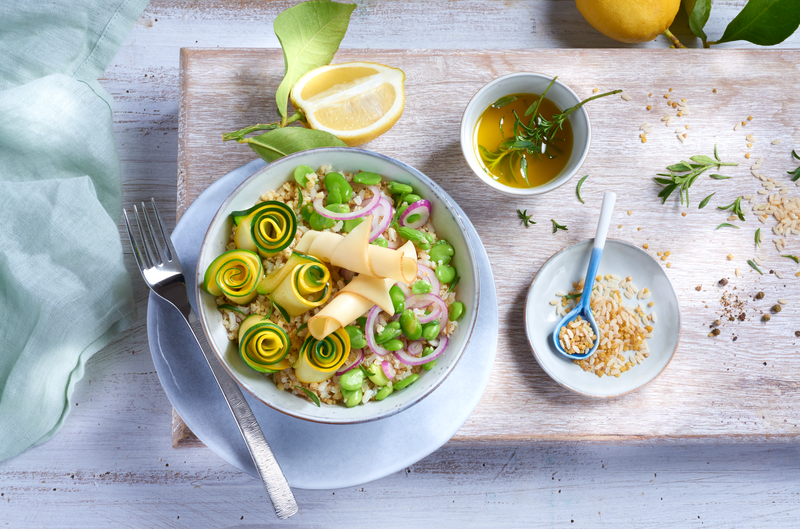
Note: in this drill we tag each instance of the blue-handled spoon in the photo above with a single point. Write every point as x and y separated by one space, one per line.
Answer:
584 307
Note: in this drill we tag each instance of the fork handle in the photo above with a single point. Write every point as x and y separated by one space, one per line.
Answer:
268 468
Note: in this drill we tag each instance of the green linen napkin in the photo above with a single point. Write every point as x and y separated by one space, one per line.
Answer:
64 290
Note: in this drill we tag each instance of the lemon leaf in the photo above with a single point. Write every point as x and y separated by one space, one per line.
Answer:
763 22
309 33
698 11
279 142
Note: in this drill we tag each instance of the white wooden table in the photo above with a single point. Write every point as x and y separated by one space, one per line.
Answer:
113 465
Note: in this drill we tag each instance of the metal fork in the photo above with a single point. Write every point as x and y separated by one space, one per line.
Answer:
162 272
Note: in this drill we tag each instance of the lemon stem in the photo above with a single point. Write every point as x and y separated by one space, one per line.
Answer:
675 42
239 135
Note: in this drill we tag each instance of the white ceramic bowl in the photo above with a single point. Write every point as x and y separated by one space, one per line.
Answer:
448 226
622 259
529 83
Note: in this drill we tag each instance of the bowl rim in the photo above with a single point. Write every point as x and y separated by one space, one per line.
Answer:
566 385
441 194
466 134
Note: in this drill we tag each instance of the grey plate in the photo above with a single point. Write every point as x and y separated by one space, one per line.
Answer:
405 438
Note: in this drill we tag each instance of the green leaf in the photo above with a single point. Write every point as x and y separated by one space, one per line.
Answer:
719 177
716 154
310 395
763 22
310 34
503 101
228 306
703 159
705 201
698 11
580 183
726 225
792 257
753 265
758 238
557 226
280 142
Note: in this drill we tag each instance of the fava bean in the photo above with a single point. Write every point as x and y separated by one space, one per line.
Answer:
430 331
367 178
411 198
421 240
339 189
456 311
445 273
300 175
421 287
380 241
352 398
389 332
384 392
410 325
430 365
397 188
318 222
398 299
357 339
393 345
350 225
406 381
361 322
377 376
352 380
441 252
307 211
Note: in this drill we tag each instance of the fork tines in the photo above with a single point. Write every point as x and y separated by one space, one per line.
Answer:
154 253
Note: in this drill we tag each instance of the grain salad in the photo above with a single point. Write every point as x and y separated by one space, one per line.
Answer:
623 331
334 327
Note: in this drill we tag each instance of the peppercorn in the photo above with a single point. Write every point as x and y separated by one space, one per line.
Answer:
765 317
717 323
797 333
742 316
715 332
760 295
776 308
723 281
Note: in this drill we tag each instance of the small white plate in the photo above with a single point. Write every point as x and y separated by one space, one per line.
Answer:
622 259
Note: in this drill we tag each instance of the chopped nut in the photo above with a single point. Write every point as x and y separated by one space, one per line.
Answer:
683 213
730 257
698 288
645 246
742 316
747 155
666 96
596 90
649 107
670 89
714 90
749 118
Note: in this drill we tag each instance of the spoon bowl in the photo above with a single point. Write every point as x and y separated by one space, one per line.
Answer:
584 307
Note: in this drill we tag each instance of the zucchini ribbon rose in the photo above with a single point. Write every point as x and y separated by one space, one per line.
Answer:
307 286
319 359
266 228
235 274
263 345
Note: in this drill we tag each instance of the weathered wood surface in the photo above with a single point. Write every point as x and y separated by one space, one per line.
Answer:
116 441
744 389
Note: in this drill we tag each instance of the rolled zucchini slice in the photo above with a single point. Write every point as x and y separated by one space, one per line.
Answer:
276 277
266 228
234 274
263 345
319 359
307 287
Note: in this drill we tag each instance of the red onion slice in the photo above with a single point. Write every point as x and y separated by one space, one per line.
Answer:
415 348
409 360
388 369
382 217
372 318
354 364
346 274
426 300
421 208
328 214
423 272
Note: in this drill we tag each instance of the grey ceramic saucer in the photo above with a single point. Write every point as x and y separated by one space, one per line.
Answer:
312 455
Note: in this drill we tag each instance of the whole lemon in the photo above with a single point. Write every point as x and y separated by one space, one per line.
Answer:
629 20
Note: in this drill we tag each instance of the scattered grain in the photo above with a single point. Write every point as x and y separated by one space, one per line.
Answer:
626 97
776 142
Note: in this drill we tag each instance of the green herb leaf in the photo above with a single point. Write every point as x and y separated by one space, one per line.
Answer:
763 22
796 172
683 174
557 226
698 11
279 142
310 34
719 177
228 306
736 207
281 310
310 395
526 219
303 326
752 264
578 189
705 201
453 284
795 155
704 160
792 257
758 238
726 225
503 101
716 154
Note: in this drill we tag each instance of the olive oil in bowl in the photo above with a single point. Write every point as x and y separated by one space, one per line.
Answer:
495 134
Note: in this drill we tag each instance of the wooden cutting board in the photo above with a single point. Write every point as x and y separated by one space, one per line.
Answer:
743 385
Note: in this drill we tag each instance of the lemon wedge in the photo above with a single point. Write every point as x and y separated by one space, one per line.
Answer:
354 101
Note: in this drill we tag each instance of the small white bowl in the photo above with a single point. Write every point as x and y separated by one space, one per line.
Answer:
448 225
526 83
622 259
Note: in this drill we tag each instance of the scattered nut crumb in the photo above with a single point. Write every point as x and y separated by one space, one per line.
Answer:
645 246
619 226
596 90
698 288
670 89
687 127
669 265
747 155
738 271
730 257
666 96
715 90
629 213
749 118
649 107
683 213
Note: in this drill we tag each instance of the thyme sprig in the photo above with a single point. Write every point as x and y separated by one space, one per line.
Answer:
736 207
525 218
796 173
537 138
792 257
682 175
557 226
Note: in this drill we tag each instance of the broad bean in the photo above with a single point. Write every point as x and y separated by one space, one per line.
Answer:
445 273
357 339
430 365
384 392
377 376
389 332
366 178
351 380
457 310
441 252
398 299
339 189
406 381
410 325
421 240
397 188
430 331
422 287
380 241
300 173
393 345
352 398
